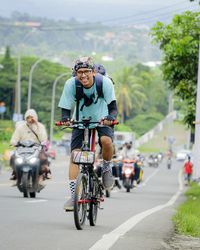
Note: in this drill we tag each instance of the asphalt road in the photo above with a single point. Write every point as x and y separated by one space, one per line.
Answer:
137 220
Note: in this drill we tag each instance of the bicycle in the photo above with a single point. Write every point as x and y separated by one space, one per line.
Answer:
89 189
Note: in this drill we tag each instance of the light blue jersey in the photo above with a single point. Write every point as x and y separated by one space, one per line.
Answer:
96 110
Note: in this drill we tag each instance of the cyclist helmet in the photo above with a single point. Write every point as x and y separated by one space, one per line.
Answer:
83 62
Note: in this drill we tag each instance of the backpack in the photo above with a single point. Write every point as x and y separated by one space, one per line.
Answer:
99 87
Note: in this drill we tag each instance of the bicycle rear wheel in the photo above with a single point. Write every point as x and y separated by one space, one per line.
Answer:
94 204
80 203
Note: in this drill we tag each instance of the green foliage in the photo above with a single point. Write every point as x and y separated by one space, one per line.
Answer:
179 42
140 89
6 130
123 128
143 122
187 218
43 79
7 81
5 134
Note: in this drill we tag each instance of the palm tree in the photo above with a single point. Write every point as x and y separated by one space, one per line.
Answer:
129 93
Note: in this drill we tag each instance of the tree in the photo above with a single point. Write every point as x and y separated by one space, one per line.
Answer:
8 77
129 92
179 42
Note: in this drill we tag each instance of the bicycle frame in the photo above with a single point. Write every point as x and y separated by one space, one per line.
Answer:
89 189
89 143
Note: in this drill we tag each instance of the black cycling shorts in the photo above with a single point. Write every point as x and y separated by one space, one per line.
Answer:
77 136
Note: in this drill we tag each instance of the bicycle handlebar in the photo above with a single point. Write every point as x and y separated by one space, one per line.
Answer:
73 123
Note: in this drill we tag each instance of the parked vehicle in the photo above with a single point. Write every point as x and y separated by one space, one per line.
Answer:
27 167
182 155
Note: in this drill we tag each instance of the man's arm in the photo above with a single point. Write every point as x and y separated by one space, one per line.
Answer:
112 109
112 113
65 114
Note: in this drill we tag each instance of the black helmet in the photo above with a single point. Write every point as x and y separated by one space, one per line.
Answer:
83 62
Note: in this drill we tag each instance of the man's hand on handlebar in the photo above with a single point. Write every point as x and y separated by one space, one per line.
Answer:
108 120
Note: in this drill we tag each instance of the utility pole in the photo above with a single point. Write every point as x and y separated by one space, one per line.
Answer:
30 81
196 148
53 104
17 115
170 138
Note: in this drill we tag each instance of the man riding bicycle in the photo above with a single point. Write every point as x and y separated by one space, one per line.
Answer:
90 105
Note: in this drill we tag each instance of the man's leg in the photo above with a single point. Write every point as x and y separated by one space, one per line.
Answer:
73 173
76 142
107 153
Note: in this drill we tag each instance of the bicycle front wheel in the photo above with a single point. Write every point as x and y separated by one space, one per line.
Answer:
80 201
94 204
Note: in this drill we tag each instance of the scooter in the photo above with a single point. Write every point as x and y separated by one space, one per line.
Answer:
128 173
153 161
28 168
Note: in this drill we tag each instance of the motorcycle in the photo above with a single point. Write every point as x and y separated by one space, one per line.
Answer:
128 173
153 161
28 168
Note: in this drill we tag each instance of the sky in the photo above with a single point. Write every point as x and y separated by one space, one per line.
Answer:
106 11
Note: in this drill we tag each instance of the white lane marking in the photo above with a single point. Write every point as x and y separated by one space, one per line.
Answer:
35 201
150 176
108 240
6 184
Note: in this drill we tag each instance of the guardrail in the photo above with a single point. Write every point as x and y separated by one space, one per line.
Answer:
159 127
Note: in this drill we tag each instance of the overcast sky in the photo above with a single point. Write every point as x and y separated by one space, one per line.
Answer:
124 11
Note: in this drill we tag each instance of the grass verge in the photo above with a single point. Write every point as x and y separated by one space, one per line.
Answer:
187 218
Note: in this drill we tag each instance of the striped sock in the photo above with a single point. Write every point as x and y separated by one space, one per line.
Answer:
106 166
72 185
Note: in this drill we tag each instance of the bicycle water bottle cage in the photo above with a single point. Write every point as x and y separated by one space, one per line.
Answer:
83 157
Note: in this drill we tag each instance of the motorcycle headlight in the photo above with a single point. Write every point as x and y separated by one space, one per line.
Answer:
33 160
18 161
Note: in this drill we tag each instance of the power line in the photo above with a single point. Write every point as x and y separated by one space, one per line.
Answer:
93 27
142 13
150 18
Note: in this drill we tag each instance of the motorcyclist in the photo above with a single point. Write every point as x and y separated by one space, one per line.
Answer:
137 168
129 153
97 108
31 129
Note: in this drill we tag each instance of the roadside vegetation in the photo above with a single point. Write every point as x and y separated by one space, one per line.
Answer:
187 218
